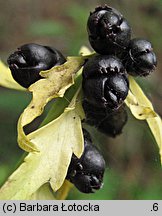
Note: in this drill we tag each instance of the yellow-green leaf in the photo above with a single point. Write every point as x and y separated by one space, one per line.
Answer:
6 79
84 51
140 96
56 81
62 193
155 125
56 142
43 193
142 109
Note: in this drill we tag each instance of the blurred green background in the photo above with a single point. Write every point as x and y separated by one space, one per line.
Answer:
133 166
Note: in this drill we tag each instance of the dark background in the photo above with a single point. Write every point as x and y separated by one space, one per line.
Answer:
133 165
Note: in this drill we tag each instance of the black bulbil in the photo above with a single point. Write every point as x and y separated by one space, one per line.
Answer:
86 172
141 60
29 59
105 82
108 31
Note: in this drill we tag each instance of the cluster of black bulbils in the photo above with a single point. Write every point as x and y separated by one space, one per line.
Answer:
105 83
105 76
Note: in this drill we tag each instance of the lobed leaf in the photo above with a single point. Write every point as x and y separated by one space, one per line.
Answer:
142 109
84 51
62 193
43 193
6 79
56 141
56 81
